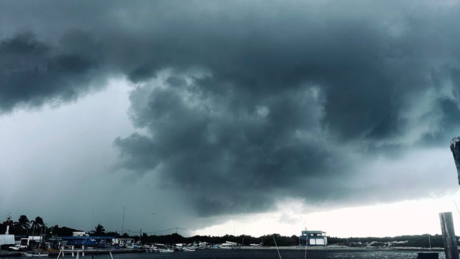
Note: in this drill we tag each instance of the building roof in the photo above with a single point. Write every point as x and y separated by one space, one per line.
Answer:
85 238
313 231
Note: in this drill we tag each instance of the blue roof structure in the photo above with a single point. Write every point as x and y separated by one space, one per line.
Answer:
86 241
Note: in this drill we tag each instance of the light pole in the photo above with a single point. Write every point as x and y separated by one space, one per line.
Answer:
429 241
150 236
123 222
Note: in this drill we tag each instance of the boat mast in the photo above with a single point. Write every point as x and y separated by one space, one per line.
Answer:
429 240
123 221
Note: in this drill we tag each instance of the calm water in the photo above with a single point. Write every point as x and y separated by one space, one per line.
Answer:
269 254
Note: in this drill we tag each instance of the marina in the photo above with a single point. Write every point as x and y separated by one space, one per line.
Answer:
247 253
316 243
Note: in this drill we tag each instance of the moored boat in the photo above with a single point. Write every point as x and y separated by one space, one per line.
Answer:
37 254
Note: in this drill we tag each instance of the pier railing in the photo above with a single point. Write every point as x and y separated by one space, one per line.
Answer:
82 252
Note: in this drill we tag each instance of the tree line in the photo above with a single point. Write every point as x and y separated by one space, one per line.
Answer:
25 227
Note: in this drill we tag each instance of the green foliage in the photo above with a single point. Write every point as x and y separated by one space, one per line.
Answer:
61 231
37 224
99 230
22 224
413 240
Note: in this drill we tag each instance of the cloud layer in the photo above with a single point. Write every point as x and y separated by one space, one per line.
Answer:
34 73
240 104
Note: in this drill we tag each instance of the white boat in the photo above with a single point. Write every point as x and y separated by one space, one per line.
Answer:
188 249
151 249
18 247
162 248
38 254
167 250
228 245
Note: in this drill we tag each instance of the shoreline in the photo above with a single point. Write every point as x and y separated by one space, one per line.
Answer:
4 253
333 247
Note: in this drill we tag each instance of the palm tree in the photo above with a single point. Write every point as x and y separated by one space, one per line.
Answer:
37 223
23 223
99 230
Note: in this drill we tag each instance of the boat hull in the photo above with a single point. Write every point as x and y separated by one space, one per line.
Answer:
34 255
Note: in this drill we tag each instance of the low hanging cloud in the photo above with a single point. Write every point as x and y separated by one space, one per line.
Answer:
240 104
225 157
34 73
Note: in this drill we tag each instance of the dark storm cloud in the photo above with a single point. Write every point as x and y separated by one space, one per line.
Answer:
227 159
450 119
34 73
242 103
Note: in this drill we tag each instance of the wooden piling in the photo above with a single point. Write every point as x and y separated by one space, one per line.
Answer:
448 235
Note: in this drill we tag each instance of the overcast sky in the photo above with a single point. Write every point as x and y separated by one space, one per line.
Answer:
230 117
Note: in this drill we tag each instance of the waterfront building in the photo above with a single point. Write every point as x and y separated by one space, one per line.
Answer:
86 241
313 238
123 241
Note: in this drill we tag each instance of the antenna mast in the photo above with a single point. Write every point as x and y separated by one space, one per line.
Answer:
123 222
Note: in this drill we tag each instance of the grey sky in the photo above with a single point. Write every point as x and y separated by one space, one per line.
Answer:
227 107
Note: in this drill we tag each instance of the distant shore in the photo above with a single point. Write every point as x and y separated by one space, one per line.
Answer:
335 247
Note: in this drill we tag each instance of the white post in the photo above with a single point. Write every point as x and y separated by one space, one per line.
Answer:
83 252
72 252
78 255
8 225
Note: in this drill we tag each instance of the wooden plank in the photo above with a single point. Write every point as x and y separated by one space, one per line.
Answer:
448 235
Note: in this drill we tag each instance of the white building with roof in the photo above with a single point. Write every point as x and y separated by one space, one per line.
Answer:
313 238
